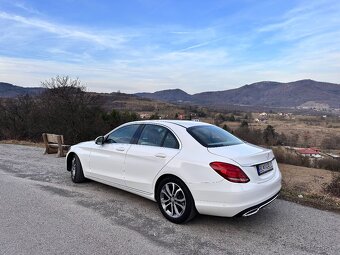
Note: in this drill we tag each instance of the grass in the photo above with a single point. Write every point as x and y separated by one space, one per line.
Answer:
308 186
21 142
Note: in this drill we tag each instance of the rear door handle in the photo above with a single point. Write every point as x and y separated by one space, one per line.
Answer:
160 155
120 149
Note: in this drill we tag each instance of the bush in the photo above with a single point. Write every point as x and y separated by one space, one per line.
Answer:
329 164
250 135
334 186
331 143
283 156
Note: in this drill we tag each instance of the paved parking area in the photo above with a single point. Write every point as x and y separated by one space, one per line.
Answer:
43 212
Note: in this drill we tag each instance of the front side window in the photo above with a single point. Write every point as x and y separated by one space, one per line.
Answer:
212 136
153 135
122 135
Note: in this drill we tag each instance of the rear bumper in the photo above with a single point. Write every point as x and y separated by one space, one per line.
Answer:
230 199
254 209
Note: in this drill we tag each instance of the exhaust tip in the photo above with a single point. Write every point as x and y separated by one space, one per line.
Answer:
251 212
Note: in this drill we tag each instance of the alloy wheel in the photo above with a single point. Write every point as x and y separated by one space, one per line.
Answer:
173 200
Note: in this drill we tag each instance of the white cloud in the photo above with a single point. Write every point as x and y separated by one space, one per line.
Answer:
106 40
301 43
24 6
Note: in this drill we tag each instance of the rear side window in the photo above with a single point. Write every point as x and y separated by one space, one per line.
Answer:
212 136
170 141
154 135
122 135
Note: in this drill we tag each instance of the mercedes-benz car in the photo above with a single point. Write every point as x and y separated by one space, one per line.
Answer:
187 167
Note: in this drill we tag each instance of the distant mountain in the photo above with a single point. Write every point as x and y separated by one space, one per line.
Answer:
169 95
8 90
302 94
265 93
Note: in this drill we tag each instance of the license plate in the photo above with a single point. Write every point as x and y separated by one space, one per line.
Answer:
264 168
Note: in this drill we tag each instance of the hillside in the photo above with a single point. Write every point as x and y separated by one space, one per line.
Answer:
109 101
303 94
169 95
266 93
8 90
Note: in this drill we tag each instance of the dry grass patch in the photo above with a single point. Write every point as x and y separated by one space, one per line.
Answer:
308 186
21 142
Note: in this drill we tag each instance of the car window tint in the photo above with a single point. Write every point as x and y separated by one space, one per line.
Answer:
170 141
122 135
152 135
212 136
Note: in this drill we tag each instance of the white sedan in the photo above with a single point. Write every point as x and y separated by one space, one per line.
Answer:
186 166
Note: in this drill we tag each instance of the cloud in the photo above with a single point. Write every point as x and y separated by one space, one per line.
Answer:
305 20
24 6
300 42
108 41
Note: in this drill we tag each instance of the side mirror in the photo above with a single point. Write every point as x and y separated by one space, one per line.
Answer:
99 140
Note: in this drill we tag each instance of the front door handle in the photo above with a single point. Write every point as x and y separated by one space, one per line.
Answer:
160 155
120 149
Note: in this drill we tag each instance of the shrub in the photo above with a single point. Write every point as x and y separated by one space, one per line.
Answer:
329 164
331 142
283 156
334 186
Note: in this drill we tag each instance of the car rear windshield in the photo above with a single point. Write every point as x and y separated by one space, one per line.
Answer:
212 136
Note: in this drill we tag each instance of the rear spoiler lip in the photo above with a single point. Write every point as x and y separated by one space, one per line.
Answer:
258 163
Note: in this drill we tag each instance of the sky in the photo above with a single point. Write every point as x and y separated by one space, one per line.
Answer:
150 45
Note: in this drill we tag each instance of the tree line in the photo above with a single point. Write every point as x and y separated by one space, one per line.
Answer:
269 137
256 136
63 108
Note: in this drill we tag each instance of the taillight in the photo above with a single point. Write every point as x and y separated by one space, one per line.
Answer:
230 172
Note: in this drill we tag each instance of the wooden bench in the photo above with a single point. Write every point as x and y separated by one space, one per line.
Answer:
55 144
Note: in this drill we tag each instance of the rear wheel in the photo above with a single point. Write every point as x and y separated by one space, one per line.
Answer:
175 200
77 174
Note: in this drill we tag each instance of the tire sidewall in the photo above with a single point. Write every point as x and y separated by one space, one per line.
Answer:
79 175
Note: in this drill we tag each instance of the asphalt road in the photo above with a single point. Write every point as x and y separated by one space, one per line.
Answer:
43 212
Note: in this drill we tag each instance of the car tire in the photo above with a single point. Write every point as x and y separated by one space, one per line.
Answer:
77 174
175 200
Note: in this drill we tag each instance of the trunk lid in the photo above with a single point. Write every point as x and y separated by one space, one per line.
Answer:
248 156
244 154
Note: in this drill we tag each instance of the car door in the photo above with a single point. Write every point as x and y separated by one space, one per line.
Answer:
107 160
156 146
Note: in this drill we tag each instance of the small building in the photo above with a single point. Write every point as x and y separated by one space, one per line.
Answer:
309 152
316 149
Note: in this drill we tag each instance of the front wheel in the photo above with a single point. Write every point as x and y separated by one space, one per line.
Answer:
77 174
175 200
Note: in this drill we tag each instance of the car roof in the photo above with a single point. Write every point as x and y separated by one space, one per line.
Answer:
182 123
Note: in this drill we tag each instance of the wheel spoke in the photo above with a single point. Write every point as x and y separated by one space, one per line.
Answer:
176 210
165 193
177 191
168 190
167 204
173 188
180 199
172 209
181 206
164 200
